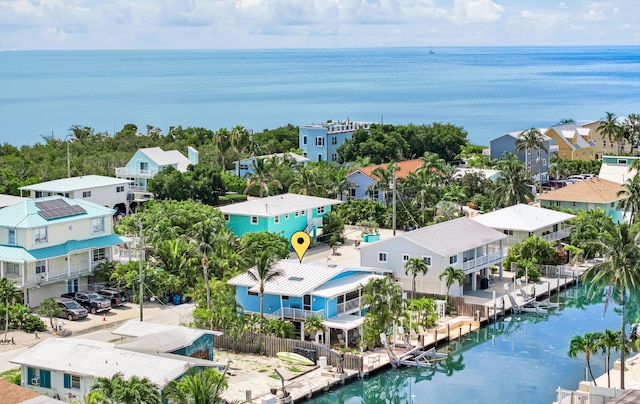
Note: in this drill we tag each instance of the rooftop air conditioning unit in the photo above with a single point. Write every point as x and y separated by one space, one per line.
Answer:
35 381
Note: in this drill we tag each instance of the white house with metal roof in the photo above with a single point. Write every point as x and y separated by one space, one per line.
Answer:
69 367
460 243
283 214
331 291
244 167
49 246
147 162
521 221
106 191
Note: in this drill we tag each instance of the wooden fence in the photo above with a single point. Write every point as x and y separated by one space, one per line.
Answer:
270 346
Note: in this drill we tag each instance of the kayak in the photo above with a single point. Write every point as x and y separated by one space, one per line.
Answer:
295 358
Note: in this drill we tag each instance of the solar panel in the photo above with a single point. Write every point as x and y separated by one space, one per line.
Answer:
57 208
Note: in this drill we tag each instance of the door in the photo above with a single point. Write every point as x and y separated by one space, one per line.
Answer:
306 303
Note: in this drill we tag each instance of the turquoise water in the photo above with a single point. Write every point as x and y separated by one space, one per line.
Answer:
487 90
521 359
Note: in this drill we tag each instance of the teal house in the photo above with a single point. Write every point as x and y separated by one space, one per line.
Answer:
590 194
282 214
328 290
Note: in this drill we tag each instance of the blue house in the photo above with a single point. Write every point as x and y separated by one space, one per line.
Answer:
507 144
244 167
320 142
283 214
331 291
146 163
365 179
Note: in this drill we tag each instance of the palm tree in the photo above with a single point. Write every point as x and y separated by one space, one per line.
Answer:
205 238
8 294
414 267
618 272
222 139
530 140
108 387
384 181
512 187
49 307
198 386
262 171
138 390
631 126
587 345
307 181
631 189
609 340
339 185
610 129
314 325
263 273
452 275
240 138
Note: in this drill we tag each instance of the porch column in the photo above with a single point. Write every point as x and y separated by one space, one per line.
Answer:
473 280
282 312
2 269
68 265
359 302
46 271
500 268
302 331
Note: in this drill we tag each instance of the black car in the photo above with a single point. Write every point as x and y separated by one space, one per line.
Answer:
91 301
117 296
70 309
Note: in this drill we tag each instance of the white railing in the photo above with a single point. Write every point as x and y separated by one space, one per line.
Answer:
557 235
315 222
133 173
482 260
349 305
59 273
296 314
137 188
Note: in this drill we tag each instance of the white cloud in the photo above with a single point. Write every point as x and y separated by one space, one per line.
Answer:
479 10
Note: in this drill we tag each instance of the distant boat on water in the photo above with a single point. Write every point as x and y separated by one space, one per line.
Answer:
431 52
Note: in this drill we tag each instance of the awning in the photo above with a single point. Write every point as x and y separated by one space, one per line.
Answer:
344 322
20 254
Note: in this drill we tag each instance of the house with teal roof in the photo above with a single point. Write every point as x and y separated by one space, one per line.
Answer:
49 246
281 214
331 291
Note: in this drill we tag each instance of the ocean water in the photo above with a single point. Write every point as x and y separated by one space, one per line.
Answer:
488 91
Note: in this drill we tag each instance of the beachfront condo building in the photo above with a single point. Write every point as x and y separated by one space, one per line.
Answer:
320 142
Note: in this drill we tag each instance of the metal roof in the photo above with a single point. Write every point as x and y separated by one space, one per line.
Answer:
158 337
75 183
298 279
446 238
166 158
91 358
522 217
277 205
9 200
341 286
25 214
344 322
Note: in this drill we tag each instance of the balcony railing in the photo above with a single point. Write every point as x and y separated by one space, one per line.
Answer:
557 235
133 173
54 275
349 305
137 188
296 314
482 261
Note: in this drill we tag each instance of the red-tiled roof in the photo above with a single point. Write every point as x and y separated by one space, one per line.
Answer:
405 168
14 394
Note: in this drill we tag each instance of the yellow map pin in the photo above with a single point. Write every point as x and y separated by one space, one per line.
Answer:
300 242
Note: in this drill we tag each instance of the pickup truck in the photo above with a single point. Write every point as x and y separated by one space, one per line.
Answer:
117 296
90 301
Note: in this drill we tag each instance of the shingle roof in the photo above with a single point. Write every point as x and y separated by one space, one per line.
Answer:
405 168
14 394
25 214
522 217
75 183
453 236
277 205
298 279
594 190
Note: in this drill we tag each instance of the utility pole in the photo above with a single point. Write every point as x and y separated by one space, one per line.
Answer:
68 161
394 199
141 275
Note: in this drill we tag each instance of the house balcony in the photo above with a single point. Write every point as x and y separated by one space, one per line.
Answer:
137 188
349 306
53 275
557 235
294 314
483 261
123 172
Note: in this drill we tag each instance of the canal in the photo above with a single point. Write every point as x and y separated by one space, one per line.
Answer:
520 359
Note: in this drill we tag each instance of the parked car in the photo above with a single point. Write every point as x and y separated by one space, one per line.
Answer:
70 309
90 301
117 296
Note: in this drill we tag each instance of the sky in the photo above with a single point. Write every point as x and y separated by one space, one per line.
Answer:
255 24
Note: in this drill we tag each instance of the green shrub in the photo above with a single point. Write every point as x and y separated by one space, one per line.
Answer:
33 323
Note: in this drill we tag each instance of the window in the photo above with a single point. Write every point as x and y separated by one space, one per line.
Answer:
11 268
319 141
40 235
99 254
622 161
226 217
573 204
296 214
38 194
120 188
508 232
39 377
276 219
427 260
319 156
352 193
286 216
97 225
304 140
453 259
382 257
321 210
86 194
11 239
250 293
612 203
372 194
544 162
334 156
254 219
334 140
405 257
41 267
285 297
71 381
244 166
303 212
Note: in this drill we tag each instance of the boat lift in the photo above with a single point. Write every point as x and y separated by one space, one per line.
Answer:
413 357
